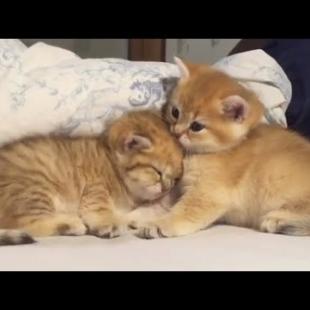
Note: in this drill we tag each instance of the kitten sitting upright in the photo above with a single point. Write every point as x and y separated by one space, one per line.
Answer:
62 186
238 170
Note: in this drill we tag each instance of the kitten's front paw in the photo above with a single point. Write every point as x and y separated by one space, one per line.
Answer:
108 231
65 229
152 230
278 226
165 228
271 225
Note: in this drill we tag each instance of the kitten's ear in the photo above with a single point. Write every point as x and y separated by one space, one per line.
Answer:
136 142
184 70
187 69
236 108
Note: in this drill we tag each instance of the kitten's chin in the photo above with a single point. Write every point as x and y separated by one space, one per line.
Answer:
197 149
148 193
149 198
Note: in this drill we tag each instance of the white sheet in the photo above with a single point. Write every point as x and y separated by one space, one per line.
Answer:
221 248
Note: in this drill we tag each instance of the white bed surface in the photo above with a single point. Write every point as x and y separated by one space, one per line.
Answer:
218 248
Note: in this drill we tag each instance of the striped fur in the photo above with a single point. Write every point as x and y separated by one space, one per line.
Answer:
61 186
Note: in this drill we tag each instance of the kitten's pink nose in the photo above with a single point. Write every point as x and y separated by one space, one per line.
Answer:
179 132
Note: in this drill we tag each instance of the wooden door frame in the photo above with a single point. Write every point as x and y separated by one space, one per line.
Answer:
147 49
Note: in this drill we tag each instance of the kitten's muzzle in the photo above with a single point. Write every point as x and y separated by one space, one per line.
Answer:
168 183
179 131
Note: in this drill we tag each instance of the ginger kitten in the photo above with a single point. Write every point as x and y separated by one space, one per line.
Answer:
238 171
66 186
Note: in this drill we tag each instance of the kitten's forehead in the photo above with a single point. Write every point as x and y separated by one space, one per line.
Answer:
145 123
197 108
206 86
163 156
201 96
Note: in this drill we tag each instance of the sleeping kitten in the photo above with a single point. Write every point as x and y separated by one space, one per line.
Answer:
239 171
62 186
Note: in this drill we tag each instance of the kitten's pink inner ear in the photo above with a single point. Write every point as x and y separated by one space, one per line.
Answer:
184 71
136 142
236 108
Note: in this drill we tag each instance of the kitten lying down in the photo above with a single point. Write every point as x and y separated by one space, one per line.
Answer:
64 186
237 170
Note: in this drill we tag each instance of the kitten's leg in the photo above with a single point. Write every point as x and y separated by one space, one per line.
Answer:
103 222
144 214
99 213
151 211
14 237
289 221
54 225
36 214
189 215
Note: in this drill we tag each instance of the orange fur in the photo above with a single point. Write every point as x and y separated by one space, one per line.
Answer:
239 171
51 186
201 98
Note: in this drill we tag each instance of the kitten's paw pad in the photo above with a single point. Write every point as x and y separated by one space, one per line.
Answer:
108 231
66 229
273 225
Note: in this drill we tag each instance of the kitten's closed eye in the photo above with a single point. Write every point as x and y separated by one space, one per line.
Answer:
196 126
157 171
176 180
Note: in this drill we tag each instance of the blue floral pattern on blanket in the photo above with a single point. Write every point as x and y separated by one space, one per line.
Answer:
48 90
10 51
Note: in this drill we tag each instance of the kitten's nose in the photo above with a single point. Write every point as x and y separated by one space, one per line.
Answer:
179 134
179 131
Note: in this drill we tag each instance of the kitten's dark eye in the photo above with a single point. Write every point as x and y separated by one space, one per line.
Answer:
195 126
175 112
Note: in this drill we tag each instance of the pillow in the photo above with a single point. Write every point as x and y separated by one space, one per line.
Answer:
52 90
10 51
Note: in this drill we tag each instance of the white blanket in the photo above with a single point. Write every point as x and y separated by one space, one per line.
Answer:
46 89
217 248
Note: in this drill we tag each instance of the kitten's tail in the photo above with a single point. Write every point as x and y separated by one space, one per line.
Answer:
14 237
